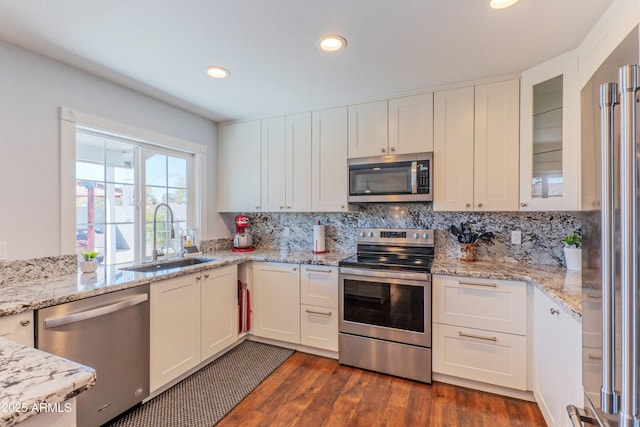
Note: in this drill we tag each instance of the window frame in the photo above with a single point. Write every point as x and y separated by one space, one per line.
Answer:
71 120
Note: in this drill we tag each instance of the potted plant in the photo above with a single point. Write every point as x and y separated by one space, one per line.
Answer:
572 250
89 263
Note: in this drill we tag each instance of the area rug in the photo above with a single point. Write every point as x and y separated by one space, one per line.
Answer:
204 398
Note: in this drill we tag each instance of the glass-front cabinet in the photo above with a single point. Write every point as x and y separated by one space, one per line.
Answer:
549 136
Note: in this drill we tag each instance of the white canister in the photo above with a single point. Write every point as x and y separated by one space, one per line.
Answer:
318 239
573 258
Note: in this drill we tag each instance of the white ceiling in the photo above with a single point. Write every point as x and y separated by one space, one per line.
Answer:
162 47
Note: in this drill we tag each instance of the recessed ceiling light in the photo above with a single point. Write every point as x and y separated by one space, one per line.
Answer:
217 72
332 43
501 4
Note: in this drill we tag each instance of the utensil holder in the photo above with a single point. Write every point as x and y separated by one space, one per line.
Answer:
467 251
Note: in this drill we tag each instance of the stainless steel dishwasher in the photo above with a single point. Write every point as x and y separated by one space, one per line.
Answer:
109 333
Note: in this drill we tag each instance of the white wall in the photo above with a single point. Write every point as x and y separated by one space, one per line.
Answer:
32 88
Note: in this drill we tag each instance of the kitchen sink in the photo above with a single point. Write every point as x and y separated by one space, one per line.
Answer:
168 265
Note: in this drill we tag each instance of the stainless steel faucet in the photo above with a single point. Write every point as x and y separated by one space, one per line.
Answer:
155 252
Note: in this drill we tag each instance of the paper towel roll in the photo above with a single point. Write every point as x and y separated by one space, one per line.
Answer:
318 239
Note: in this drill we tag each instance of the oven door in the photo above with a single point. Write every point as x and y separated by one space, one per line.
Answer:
392 306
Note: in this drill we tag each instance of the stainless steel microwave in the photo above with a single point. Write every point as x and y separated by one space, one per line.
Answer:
393 178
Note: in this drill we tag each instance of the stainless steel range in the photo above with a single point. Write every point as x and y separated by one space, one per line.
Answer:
385 303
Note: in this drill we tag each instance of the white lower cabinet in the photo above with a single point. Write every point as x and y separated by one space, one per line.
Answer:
296 304
219 305
479 330
192 318
558 360
276 290
18 327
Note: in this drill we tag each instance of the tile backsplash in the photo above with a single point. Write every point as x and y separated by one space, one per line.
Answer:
541 231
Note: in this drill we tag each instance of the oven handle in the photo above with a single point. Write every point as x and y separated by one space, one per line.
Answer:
385 274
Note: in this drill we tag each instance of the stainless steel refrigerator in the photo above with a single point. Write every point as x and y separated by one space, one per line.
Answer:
610 157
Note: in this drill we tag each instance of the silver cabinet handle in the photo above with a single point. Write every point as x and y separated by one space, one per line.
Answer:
480 205
554 311
289 207
468 205
594 357
628 232
523 204
342 207
96 312
384 150
281 207
312 270
295 269
609 398
484 285
479 337
257 207
393 149
206 276
25 322
319 313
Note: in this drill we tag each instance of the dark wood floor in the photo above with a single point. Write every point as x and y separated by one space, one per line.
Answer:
311 391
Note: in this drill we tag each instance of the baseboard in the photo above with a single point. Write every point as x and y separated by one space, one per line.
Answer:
297 347
489 388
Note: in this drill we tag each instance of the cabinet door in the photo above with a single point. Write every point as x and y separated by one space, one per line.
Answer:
175 328
368 130
276 307
18 327
298 163
453 150
550 138
219 305
273 164
557 366
411 124
319 286
329 160
239 160
319 327
496 146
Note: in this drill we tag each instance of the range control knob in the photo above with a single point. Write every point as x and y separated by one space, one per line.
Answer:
425 236
371 234
416 235
362 234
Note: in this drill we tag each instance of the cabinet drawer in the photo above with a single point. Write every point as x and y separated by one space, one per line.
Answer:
489 357
319 286
319 327
494 305
18 327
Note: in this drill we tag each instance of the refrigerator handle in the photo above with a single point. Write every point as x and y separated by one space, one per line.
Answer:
609 399
628 235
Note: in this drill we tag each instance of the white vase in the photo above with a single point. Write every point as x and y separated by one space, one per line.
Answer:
89 266
573 258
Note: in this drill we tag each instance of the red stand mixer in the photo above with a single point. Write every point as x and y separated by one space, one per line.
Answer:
242 240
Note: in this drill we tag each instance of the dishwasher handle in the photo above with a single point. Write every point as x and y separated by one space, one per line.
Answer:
96 312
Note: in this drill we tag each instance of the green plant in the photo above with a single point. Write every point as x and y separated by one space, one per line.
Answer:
573 239
89 255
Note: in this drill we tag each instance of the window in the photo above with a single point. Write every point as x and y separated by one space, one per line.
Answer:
114 175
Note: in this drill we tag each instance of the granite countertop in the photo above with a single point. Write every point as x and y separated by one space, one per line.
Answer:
24 367
563 286
30 378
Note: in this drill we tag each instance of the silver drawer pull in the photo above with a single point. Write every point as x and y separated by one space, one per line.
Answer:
320 313
319 271
554 311
462 334
594 357
483 285
25 322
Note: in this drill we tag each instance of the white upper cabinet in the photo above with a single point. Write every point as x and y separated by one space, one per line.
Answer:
298 163
329 160
239 158
411 124
399 126
496 146
476 148
368 129
549 136
453 150
273 164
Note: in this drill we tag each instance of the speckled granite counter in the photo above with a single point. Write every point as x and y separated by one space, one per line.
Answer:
30 377
563 286
22 367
